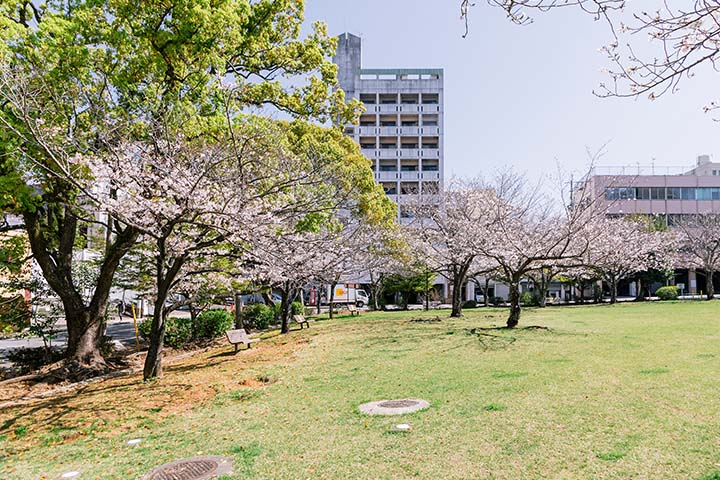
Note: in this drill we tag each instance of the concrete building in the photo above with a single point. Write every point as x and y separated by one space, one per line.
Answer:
401 130
666 193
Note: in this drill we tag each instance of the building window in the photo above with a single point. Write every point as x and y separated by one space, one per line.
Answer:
642 193
673 193
657 193
687 193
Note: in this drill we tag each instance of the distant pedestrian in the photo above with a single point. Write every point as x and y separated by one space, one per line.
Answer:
121 309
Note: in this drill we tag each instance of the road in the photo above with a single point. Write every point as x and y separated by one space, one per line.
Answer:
123 331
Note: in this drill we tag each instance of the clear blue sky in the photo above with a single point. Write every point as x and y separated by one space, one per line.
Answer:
521 96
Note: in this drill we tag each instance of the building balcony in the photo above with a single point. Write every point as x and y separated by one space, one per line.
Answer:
410 108
430 175
386 176
430 152
367 131
409 152
410 176
388 131
414 131
387 153
368 152
387 108
430 130
429 108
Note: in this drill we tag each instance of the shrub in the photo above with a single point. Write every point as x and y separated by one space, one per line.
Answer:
258 316
497 301
178 331
527 298
213 323
667 293
469 304
296 308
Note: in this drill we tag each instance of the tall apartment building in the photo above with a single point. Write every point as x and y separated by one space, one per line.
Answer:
401 130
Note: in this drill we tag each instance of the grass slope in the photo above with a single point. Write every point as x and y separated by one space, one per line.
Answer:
610 392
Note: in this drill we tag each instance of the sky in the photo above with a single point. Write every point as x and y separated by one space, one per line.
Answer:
521 97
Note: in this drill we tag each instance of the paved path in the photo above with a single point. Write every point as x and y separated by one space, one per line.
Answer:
121 331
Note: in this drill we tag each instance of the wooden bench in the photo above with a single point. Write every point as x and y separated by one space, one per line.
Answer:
301 320
237 337
353 309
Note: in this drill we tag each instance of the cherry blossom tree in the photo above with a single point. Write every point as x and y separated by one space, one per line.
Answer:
624 246
699 245
448 230
531 231
210 196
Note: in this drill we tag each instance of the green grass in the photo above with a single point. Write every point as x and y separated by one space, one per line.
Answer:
628 391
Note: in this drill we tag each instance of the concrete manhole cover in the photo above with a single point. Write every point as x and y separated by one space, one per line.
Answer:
394 407
194 468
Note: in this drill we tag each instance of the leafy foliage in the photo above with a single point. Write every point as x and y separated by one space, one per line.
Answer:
178 330
213 323
296 308
258 316
669 292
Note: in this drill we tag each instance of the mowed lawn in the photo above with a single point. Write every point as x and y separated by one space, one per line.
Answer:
609 392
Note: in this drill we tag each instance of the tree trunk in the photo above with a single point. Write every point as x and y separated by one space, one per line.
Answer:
457 298
613 290
153 360
318 294
288 295
84 322
164 278
485 292
709 284
84 333
427 291
639 297
238 311
331 300
514 317
542 289
193 320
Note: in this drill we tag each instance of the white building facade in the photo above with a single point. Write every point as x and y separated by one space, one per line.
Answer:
401 130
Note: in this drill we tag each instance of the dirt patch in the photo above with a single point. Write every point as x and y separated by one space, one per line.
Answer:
434 319
127 404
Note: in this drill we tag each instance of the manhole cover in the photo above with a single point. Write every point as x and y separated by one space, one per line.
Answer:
394 407
195 468
398 403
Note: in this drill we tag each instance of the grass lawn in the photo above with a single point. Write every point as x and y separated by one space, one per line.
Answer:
628 391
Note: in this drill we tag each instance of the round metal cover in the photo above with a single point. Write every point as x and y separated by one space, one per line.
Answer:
398 403
193 468
394 407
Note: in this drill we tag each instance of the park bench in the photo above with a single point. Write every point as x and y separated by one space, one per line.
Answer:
301 320
237 337
353 309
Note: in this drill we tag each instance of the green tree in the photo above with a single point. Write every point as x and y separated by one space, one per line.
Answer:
408 284
79 77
